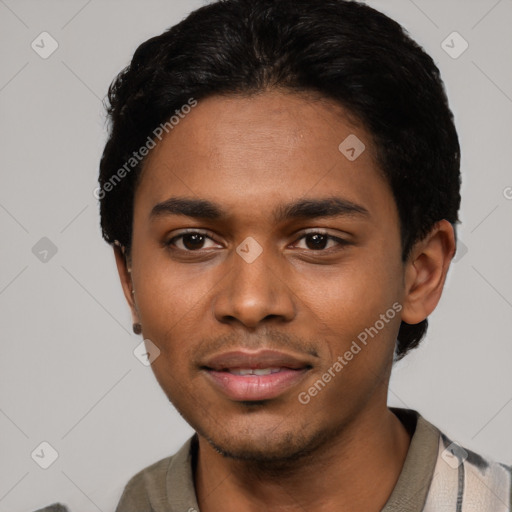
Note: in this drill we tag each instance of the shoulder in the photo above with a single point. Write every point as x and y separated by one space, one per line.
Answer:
164 483
144 486
443 475
486 469
474 481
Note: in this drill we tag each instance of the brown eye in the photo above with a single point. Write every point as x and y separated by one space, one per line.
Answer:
190 242
316 241
193 241
319 241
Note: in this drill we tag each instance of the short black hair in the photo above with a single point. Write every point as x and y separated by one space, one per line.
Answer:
339 49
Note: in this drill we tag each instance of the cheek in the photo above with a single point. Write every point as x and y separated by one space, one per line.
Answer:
354 296
172 306
357 323
357 315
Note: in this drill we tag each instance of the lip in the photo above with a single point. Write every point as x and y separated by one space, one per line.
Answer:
292 370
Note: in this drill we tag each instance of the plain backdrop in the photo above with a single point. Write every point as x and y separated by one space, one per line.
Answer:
67 370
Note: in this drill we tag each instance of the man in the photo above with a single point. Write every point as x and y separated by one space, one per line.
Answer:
281 188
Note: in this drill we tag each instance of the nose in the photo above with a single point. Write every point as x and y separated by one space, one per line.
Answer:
254 293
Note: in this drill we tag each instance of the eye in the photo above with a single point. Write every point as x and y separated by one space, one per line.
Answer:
194 241
319 240
190 241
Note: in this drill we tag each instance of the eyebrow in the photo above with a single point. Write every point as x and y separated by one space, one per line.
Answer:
300 209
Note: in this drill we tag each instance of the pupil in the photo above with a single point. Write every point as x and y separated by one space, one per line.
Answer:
193 241
319 241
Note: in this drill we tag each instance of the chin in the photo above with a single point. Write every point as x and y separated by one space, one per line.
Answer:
266 446
254 433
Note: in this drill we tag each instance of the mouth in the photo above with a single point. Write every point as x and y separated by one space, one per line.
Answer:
255 376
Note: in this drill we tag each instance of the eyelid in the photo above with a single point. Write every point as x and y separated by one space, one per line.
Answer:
185 231
344 237
320 231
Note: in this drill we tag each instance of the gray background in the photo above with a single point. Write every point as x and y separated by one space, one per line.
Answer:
67 370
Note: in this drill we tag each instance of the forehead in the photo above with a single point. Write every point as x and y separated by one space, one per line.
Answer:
264 148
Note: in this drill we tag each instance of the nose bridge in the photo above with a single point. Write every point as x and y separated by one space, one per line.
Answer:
253 270
254 289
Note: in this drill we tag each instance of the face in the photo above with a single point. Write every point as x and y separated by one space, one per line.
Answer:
262 254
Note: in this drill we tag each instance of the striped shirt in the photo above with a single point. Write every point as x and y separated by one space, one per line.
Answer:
438 475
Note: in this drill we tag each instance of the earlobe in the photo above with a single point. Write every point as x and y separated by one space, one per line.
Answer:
426 271
126 280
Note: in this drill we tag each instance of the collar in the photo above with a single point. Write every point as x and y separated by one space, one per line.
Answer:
409 493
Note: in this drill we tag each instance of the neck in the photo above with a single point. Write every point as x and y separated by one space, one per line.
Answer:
368 454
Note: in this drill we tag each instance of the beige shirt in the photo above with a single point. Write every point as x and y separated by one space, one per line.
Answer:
437 476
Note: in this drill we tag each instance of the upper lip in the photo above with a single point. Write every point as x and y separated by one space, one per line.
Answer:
254 360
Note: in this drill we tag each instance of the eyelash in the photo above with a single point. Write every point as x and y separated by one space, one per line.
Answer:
341 242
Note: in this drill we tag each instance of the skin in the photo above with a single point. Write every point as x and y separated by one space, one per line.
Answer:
249 155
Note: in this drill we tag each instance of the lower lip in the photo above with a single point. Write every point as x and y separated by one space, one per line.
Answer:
255 387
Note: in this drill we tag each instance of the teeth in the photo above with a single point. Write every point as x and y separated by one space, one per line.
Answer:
262 371
242 372
255 371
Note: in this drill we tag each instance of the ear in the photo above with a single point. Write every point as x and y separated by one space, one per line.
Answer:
425 272
123 267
